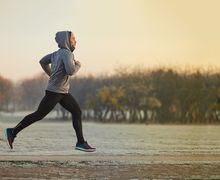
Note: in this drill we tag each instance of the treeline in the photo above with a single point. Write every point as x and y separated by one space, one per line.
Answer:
160 95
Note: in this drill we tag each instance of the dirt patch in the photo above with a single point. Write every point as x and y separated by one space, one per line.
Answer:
106 170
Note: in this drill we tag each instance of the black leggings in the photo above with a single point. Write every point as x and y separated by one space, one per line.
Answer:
47 104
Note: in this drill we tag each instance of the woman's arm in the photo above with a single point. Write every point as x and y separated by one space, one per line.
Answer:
71 66
45 64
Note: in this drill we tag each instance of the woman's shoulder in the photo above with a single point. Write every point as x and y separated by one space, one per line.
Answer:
65 53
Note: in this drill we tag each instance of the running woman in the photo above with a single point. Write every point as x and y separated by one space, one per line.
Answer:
59 66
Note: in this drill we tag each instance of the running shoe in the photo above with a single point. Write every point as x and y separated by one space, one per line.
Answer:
84 147
9 137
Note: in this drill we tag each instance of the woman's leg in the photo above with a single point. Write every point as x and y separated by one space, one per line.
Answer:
46 105
70 104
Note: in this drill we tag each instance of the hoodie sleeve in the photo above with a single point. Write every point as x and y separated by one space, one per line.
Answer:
70 66
45 64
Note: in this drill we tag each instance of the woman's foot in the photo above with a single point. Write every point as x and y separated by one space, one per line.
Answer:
84 147
9 137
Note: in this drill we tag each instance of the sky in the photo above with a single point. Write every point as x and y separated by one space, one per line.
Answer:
110 34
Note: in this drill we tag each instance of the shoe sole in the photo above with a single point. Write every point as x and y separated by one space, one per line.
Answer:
6 138
85 150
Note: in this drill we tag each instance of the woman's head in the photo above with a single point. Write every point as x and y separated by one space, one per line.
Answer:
66 39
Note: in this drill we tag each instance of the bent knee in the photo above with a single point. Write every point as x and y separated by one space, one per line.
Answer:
77 114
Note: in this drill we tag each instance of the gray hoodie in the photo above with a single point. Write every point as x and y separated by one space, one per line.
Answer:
60 64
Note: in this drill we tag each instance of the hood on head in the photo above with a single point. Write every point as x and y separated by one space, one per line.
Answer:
63 40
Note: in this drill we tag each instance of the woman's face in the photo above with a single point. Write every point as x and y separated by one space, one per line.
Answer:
73 41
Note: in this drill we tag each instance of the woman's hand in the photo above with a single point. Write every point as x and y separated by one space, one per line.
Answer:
77 62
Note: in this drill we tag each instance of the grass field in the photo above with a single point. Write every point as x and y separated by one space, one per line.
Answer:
45 150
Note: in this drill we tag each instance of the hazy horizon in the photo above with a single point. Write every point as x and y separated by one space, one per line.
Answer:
110 34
